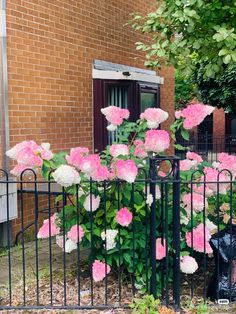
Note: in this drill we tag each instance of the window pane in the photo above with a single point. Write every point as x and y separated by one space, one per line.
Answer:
233 127
116 96
148 100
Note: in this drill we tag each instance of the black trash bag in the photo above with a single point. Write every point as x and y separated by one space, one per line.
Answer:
226 255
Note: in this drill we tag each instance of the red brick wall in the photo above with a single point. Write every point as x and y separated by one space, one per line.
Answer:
51 47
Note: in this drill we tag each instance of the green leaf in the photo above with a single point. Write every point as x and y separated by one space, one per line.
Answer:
185 134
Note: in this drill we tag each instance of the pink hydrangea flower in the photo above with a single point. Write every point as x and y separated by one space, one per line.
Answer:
115 116
101 173
45 152
178 114
139 150
14 152
154 117
201 189
227 162
124 217
188 264
44 231
186 165
100 270
214 176
197 235
160 248
157 141
119 150
91 203
126 170
194 201
26 156
89 164
194 114
30 154
76 155
76 233
195 157
18 169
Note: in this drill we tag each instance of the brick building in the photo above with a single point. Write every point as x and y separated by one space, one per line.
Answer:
66 59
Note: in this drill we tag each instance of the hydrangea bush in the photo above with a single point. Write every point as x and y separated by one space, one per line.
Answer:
109 201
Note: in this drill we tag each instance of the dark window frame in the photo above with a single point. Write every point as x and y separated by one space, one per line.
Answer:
135 88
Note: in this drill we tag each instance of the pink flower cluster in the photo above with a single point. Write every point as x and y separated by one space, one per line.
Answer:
216 181
76 156
90 165
124 217
191 162
115 116
30 155
186 165
119 150
160 248
76 233
139 150
154 117
194 114
227 162
194 201
157 141
100 270
48 228
195 157
197 237
125 170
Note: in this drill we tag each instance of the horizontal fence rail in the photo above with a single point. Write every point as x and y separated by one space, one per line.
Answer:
171 217
208 146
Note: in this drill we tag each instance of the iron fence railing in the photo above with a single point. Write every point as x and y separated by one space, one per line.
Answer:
40 273
209 146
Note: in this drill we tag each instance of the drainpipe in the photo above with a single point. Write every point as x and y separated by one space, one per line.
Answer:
4 119
4 123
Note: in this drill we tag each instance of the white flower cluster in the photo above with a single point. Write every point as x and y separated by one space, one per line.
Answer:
66 176
69 244
109 236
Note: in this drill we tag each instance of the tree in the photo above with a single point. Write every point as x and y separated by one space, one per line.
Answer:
221 91
185 89
184 33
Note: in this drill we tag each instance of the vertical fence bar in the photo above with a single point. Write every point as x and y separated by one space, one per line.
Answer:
153 178
176 234
36 237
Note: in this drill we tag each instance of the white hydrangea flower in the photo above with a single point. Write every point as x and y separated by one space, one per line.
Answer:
215 164
46 146
66 176
70 246
91 203
188 265
149 199
111 127
109 236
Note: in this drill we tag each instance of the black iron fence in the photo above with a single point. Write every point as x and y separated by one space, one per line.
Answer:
209 146
193 218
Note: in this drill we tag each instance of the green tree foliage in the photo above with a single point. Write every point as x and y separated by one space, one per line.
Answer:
185 89
184 30
221 91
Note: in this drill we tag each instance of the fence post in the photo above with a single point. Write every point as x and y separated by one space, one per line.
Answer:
153 178
176 233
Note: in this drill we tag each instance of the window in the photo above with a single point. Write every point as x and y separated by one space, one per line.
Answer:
136 96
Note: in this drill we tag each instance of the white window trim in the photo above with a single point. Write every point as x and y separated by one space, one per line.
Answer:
126 75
